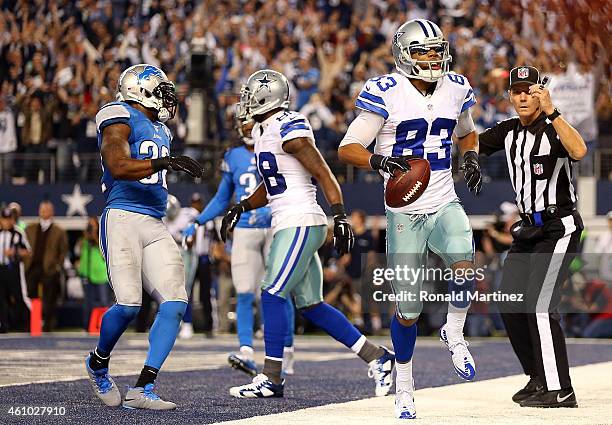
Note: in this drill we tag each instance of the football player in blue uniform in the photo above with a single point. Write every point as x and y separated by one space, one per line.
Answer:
139 251
251 244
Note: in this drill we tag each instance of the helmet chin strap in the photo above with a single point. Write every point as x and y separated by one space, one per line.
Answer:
163 115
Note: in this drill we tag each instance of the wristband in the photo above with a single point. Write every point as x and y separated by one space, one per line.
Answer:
159 164
470 154
338 210
376 161
554 115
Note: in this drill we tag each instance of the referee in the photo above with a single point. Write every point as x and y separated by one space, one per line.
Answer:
13 295
540 148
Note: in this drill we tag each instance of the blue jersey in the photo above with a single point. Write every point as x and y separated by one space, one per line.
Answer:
239 180
148 140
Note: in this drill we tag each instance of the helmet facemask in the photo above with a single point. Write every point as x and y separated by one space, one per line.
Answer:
166 93
432 69
240 120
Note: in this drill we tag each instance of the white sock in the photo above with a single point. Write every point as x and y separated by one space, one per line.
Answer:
247 352
403 379
358 345
288 350
455 320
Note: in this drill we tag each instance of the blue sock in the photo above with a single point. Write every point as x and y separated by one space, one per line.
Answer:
163 332
333 322
404 340
244 318
461 290
290 323
187 316
275 324
114 322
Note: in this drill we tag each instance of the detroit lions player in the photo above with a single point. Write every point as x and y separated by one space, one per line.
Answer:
139 251
288 162
414 111
251 244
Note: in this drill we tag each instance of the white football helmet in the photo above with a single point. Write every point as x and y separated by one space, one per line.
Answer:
148 86
420 36
173 207
264 91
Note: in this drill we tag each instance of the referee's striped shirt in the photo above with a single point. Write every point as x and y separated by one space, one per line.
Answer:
540 167
13 238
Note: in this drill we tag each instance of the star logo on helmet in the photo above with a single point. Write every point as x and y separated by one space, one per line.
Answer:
397 36
265 82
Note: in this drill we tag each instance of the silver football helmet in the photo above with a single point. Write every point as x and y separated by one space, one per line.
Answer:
173 206
420 36
148 86
264 90
240 120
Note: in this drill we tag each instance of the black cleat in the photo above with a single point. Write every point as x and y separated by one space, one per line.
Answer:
559 398
532 387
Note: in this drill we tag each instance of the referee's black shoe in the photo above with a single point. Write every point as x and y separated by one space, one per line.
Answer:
559 398
532 387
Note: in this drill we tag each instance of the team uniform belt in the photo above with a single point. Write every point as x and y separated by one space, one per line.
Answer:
538 218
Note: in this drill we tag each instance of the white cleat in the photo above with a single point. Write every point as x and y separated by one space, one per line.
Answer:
463 361
103 385
404 404
381 370
261 387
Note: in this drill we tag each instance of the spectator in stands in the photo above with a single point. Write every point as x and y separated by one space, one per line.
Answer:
92 270
36 134
49 248
85 132
8 140
307 80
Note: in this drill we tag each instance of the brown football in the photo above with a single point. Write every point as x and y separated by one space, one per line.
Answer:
406 187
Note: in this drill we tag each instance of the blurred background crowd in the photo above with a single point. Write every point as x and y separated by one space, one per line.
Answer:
60 61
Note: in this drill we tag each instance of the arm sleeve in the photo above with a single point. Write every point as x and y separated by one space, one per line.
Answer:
363 129
469 100
465 124
492 139
219 203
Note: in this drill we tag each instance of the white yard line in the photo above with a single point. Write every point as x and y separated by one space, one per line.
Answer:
485 402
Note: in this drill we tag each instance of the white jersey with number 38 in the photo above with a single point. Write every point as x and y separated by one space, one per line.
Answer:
419 125
292 191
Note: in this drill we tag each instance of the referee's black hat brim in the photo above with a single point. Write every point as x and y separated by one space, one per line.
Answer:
524 75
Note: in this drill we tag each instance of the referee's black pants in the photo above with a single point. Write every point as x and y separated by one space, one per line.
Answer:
537 269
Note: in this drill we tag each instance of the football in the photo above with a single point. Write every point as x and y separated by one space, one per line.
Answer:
406 187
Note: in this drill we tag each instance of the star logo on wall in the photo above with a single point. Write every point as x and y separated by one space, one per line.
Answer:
77 202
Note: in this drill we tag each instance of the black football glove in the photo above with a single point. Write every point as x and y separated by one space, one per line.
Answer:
231 219
471 172
178 163
343 233
389 164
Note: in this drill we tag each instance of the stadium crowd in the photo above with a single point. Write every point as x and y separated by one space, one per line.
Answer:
60 60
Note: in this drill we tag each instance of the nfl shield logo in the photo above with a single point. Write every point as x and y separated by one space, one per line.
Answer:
523 73
538 169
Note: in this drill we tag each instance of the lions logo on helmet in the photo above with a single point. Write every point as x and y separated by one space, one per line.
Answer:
420 36
148 86
264 91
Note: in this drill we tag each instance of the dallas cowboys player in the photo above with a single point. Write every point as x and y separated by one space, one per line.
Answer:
251 244
289 163
139 251
414 111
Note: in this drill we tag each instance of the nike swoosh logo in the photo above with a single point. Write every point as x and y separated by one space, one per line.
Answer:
129 399
562 399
